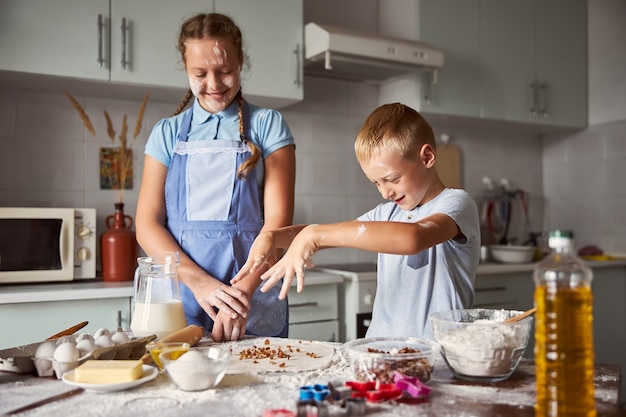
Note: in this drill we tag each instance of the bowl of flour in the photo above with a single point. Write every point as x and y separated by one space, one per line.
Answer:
476 344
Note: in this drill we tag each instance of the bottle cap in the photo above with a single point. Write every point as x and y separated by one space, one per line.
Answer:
560 239
568 234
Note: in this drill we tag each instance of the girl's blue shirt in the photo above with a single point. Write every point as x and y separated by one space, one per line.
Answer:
266 128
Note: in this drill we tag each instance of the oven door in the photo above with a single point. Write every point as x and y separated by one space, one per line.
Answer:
36 244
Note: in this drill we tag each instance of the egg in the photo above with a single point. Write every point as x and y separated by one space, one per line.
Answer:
66 352
84 336
120 337
43 358
46 350
104 341
100 332
85 346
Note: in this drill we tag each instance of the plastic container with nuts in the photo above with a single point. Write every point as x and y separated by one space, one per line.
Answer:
376 359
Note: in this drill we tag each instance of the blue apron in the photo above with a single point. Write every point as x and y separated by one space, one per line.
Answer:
215 217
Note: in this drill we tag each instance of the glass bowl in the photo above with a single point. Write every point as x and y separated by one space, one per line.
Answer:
376 359
477 346
156 348
198 369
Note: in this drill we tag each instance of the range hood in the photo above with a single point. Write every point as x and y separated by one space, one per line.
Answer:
341 53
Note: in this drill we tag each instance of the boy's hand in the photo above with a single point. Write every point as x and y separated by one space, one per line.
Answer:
261 256
296 259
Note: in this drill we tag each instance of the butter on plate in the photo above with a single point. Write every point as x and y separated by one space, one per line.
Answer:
108 371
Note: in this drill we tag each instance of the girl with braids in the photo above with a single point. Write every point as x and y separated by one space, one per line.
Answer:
215 175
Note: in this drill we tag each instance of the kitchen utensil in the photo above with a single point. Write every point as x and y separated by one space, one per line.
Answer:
506 216
477 345
158 304
155 349
197 369
69 330
376 359
44 401
532 236
512 254
521 316
190 334
448 163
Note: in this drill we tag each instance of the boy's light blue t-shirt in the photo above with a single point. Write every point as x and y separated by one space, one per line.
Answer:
411 287
266 128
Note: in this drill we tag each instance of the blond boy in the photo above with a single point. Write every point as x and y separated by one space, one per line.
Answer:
427 236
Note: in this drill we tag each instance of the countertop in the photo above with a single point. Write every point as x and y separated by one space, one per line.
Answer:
248 395
488 268
98 289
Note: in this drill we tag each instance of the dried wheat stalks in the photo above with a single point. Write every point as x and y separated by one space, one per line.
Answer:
81 113
110 129
122 135
139 123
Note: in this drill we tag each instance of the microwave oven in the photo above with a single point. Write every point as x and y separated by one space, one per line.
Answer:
39 244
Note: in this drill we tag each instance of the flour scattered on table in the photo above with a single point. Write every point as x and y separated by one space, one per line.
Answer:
270 354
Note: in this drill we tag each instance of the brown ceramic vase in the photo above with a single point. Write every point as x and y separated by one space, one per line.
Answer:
118 245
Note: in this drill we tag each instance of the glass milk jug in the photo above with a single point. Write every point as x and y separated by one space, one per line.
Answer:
158 306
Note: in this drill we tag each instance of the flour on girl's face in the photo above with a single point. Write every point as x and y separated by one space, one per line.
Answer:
213 72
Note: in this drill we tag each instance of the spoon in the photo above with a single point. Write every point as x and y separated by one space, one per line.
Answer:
520 316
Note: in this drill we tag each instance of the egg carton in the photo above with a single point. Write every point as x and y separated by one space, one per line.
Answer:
20 359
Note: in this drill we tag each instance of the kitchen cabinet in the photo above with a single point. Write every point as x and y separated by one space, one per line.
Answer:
133 43
120 41
272 32
36 321
33 312
314 313
514 61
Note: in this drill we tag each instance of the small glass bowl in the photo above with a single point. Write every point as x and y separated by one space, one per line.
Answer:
477 346
376 359
156 348
198 369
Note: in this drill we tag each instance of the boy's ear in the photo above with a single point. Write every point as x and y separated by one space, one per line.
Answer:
428 155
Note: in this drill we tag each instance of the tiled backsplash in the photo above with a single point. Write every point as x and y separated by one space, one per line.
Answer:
47 157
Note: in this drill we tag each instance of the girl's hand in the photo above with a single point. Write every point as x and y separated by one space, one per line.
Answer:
228 300
296 259
225 328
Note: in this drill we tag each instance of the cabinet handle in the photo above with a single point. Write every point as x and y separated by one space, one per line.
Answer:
306 304
298 81
533 98
124 27
544 99
100 28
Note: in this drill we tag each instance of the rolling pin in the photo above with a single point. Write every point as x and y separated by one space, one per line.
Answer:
190 334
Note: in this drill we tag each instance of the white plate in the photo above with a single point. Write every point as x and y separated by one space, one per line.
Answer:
149 373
